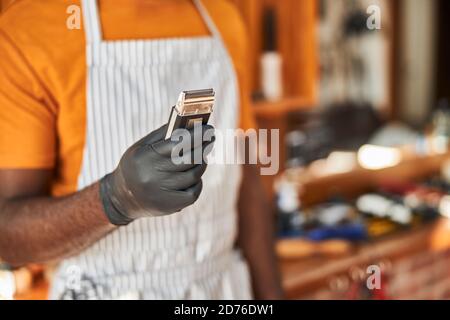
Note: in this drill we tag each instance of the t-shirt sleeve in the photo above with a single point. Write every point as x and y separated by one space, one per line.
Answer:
27 119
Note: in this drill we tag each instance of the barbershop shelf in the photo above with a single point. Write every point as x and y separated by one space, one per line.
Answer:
314 275
359 180
406 252
264 108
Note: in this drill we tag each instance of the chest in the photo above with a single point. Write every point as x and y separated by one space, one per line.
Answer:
131 86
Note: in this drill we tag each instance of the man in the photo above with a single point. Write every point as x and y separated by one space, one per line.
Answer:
86 176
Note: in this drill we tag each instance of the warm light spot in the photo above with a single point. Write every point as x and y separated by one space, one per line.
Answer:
444 207
377 157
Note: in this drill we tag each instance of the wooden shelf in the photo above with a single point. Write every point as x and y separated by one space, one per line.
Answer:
300 277
305 275
282 106
296 42
316 189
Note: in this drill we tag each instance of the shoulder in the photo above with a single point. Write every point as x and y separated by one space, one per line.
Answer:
226 8
37 31
231 25
226 15
39 25
33 16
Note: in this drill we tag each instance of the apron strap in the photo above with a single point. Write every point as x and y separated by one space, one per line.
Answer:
207 19
91 21
94 31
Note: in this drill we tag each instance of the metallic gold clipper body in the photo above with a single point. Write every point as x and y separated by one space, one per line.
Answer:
192 106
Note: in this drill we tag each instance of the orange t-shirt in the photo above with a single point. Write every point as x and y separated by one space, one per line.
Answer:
43 72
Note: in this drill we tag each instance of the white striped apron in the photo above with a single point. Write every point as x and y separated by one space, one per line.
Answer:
131 86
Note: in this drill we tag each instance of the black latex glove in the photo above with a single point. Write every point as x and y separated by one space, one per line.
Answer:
147 183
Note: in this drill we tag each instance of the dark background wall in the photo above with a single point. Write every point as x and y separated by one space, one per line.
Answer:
443 70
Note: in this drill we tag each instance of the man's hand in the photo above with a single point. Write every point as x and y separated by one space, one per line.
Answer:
44 228
153 180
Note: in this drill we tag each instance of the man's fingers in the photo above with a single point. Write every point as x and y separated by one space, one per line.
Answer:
208 147
184 198
155 136
188 160
182 140
194 192
183 180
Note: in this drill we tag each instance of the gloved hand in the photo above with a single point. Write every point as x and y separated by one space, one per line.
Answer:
148 183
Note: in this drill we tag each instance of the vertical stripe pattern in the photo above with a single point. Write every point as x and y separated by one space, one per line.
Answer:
131 86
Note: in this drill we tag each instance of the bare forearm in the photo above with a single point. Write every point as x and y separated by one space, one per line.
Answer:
43 229
256 237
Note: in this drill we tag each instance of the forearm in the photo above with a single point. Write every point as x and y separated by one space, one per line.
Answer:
148 182
44 229
256 236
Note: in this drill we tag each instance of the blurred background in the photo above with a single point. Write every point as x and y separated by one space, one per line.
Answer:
360 91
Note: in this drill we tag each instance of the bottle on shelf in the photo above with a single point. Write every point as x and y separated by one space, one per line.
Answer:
271 62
